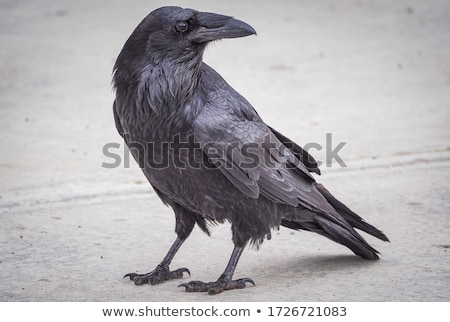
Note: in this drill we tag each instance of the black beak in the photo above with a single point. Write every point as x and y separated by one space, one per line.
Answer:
214 27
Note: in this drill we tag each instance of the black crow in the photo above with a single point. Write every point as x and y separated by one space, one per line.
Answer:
208 154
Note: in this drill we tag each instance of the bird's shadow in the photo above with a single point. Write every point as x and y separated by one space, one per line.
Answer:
314 265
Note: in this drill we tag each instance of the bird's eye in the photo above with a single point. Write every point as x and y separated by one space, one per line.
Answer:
182 26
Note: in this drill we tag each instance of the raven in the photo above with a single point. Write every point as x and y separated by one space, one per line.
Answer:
208 154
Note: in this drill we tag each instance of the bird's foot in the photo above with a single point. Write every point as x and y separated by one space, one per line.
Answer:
160 274
216 287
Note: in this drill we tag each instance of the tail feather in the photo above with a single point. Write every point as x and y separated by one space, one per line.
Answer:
352 218
348 237
343 235
337 225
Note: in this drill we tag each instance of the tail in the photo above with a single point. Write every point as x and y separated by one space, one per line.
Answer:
339 226
352 218
342 234
347 236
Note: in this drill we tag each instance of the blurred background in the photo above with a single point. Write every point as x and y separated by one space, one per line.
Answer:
375 74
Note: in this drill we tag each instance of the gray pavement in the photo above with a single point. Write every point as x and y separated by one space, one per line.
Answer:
375 74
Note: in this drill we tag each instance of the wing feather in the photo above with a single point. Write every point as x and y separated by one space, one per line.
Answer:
251 156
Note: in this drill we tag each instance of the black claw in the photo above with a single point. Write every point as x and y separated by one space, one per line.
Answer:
182 270
130 275
187 271
247 280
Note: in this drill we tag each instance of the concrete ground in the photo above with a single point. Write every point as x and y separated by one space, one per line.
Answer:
375 74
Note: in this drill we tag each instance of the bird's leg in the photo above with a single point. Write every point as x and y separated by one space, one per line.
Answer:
225 281
161 273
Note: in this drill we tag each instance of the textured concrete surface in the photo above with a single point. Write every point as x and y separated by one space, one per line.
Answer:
375 74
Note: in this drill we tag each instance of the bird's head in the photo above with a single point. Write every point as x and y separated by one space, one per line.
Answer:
164 54
174 32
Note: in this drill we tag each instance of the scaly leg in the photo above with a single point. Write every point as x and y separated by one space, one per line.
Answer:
161 273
